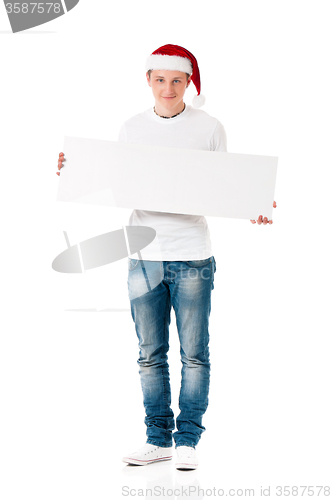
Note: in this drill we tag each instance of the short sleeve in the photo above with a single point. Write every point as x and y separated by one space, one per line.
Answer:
122 137
219 139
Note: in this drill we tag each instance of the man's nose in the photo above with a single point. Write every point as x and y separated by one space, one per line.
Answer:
169 87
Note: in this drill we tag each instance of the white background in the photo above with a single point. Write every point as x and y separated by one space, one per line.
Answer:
71 403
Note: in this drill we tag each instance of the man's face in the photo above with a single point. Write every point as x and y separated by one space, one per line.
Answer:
168 87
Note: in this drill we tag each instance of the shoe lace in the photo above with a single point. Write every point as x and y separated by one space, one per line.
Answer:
186 450
145 450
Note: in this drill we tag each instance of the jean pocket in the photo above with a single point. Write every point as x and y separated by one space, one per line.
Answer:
199 263
132 264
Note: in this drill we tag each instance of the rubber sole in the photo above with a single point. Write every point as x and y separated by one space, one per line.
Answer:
186 466
134 461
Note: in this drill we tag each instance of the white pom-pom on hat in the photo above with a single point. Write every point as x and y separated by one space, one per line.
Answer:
198 101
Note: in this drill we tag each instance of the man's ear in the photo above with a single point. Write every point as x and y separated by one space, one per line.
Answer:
188 82
148 79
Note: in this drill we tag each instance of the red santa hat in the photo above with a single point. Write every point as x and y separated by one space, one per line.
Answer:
176 58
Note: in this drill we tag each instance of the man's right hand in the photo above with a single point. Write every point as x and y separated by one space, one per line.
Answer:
60 160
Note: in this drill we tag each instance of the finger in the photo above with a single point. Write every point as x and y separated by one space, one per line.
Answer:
265 221
271 221
60 165
260 220
252 221
274 205
57 173
61 154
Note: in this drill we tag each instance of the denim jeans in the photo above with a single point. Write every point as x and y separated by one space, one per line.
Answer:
154 287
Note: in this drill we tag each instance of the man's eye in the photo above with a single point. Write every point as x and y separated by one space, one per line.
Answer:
176 80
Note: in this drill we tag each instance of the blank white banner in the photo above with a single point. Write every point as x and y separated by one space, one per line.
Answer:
162 179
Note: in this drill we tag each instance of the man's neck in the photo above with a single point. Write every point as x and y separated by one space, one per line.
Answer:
161 111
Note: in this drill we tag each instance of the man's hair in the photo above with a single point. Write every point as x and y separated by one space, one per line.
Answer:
150 70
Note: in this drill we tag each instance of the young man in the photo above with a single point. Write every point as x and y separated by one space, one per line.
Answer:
175 270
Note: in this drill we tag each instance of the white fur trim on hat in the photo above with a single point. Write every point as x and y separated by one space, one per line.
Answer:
171 63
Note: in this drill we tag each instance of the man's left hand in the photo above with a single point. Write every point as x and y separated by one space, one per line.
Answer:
264 220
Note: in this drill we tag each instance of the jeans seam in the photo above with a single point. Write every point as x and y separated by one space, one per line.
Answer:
163 367
211 273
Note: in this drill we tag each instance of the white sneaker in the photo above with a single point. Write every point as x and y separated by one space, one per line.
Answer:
148 454
186 458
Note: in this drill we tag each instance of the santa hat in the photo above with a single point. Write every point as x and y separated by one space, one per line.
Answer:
176 58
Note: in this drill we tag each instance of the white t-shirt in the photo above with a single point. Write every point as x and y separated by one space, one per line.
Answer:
179 237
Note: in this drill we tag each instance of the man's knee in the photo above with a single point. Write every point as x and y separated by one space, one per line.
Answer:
195 358
152 359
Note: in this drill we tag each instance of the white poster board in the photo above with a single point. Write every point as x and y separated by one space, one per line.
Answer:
162 179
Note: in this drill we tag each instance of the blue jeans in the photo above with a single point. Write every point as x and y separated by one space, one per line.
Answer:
154 287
